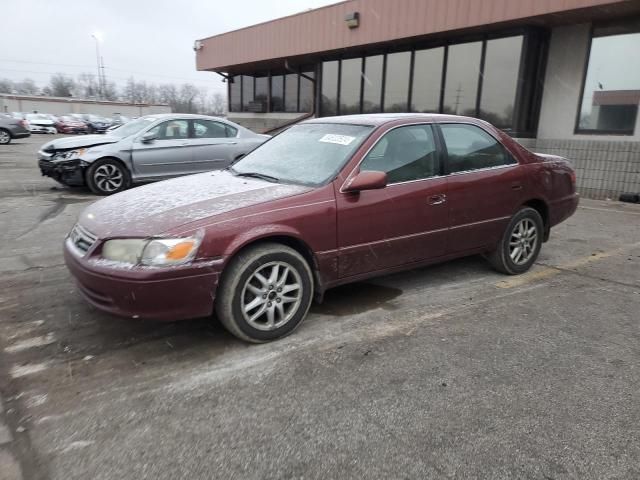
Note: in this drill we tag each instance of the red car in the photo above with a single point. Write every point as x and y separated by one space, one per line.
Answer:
67 124
327 202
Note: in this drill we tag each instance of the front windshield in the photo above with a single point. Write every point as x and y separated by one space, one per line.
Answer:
308 154
132 127
95 118
37 116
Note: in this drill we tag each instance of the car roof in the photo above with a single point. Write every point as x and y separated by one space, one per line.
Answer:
181 115
377 119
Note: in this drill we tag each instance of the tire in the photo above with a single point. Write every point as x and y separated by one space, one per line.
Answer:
5 137
507 258
107 176
240 287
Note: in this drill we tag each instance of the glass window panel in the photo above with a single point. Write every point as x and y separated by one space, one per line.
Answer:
500 81
461 87
612 85
247 92
427 80
471 148
306 92
404 154
291 92
262 93
235 88
350 78
372 84
277 93
329 88
396 94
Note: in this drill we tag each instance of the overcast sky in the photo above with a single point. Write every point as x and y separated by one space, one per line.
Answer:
149 39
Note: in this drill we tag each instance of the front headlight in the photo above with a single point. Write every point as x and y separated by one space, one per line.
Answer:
154 252
70 155
170 251
125 250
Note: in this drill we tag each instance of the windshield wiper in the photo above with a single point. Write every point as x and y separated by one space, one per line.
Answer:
261 176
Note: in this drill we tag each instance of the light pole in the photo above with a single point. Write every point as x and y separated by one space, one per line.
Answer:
96 37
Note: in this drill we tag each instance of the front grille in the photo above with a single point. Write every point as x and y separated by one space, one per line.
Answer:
82 239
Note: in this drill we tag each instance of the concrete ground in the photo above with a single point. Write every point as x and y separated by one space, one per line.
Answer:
453 371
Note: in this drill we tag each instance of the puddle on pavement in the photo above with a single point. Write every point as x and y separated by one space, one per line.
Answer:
356 298
59 204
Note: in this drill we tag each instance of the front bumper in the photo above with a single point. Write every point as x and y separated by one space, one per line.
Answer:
68 173
42 129
142 292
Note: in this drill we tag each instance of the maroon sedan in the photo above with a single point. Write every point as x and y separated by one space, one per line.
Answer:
67 124
327 202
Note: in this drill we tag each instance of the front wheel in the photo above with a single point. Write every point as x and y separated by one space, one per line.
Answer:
107 176
265 293
520 244
5 137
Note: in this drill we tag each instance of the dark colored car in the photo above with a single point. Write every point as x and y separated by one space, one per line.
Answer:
69 124
327 202
11 127
94 123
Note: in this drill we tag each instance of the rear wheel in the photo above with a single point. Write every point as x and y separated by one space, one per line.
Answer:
5 137
107 176
265 293
520 244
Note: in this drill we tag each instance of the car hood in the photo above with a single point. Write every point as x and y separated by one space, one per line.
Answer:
77 142
159 207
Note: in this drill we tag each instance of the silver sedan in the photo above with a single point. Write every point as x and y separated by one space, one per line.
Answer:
153 147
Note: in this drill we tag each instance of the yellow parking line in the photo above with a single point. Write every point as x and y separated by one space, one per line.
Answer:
546 272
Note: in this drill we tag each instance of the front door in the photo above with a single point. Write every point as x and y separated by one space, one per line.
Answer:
168 154
404 222
485 187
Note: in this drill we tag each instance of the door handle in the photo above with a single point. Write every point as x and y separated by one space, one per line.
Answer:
185 144
437 199
516 186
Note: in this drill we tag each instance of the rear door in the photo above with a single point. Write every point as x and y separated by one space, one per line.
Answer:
485 186
214 144
168 154
404 222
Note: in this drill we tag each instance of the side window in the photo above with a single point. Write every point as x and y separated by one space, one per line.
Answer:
471 148
405 154
211 129
171 130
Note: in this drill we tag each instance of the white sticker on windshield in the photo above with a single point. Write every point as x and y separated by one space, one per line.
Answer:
339 139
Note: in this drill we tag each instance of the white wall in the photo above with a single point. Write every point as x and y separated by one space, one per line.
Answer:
568 54
61 107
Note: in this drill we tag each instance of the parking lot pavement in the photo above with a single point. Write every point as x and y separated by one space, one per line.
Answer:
449 371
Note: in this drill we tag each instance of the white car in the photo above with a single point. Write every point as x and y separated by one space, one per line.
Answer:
40 123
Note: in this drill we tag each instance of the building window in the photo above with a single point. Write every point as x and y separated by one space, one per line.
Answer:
350 79
306 92
461 84
427 80
235 94
262 94
291 92
611 91
372 83
330 88
277 93
247 93
500 80
396 89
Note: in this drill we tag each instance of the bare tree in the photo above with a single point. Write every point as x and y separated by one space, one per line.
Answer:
26 87
218 104
6 85
61 86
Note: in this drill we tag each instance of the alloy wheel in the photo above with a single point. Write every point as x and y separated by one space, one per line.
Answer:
523 241
4 137
108 178
271 296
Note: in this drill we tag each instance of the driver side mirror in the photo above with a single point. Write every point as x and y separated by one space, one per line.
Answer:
372 180
148 137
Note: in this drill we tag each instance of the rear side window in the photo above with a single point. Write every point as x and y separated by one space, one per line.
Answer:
171 130
405 154
471 148
211 129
